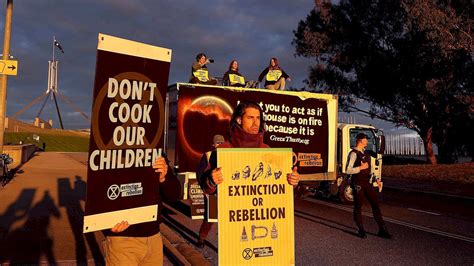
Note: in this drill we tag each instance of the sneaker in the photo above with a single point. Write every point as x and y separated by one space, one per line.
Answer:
361 233
383 233
200 243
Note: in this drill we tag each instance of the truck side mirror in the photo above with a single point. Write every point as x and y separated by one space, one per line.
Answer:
372 153
382 144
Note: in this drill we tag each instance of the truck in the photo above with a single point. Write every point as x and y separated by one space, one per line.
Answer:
346 141
305 121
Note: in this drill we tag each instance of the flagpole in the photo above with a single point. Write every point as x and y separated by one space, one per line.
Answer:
54 81
54 44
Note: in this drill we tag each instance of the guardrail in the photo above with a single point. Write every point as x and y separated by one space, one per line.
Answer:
20 153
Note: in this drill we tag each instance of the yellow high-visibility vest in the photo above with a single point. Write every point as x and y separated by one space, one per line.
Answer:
236 79
273 75
202 74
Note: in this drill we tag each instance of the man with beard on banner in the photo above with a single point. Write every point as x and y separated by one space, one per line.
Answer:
141 244
246 130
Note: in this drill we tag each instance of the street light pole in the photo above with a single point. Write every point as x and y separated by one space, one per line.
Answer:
4 80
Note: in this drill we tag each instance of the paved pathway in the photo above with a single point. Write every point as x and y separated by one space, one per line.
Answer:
41 212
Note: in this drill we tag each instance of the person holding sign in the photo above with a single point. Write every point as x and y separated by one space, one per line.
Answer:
246 130
206 225
199 72
142 243
232 77
358 165
275 77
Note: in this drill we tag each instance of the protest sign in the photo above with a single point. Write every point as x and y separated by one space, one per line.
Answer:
127 125
304 121
255 207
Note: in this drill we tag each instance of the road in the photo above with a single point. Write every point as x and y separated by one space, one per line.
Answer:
428 230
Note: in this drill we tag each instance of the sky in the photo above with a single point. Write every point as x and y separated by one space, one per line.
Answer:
250 31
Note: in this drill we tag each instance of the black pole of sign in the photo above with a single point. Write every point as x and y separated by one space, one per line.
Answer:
57 109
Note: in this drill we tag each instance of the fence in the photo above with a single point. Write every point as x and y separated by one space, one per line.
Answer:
347 119
397 144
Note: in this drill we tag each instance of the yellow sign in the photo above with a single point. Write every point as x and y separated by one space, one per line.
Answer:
202 74
273 75
236 79
8 67
255 207
310 159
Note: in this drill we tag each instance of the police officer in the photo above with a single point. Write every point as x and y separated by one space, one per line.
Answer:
358 165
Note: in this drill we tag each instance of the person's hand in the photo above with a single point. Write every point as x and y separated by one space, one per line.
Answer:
161 167
120 227
288 79
379 183
216 176
294 177
363 166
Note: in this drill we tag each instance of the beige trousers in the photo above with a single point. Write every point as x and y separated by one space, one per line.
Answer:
134 250
279 85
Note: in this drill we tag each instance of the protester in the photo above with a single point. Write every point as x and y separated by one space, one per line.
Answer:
275 77
199 72
141 244
358 165
206 225
246 130
232 77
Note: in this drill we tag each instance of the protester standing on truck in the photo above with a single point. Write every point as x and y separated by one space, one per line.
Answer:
199 72
275 77
232 77
246 130
206 225
358 165
141 244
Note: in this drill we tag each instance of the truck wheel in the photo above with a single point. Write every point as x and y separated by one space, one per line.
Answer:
345 193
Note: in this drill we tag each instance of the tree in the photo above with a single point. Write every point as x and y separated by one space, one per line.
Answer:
412 60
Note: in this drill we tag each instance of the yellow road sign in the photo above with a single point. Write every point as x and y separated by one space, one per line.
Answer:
8 67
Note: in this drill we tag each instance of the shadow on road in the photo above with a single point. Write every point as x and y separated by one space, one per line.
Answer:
70 197
326 222
29 242
16 211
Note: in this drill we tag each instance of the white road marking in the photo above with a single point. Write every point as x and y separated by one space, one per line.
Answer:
430 192
416 210
395 221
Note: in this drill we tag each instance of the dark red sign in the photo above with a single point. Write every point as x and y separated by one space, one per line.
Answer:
291 121
128 116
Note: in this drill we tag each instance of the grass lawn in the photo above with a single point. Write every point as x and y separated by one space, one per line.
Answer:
460 173
55 141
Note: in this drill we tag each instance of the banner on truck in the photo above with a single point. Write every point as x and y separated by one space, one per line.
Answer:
304 121
255 207
128 120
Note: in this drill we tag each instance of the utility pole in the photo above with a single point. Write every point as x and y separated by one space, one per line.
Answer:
4 80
